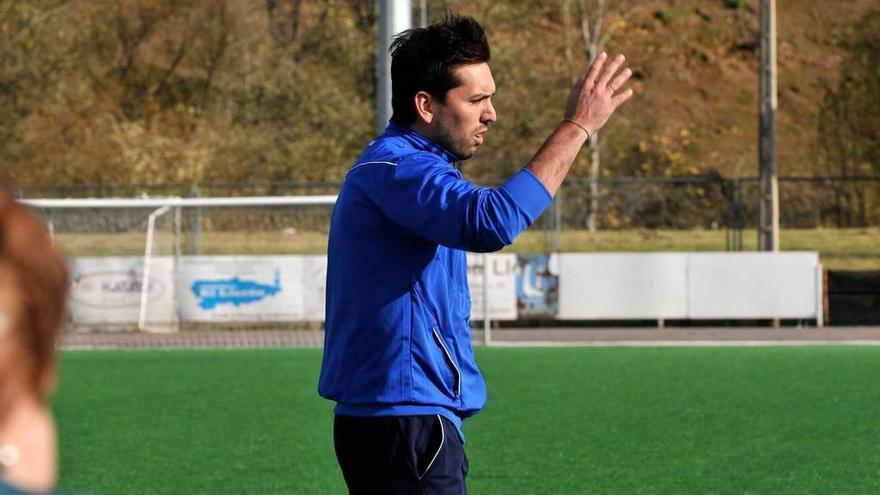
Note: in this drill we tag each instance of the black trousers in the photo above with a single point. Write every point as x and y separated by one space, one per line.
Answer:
400 455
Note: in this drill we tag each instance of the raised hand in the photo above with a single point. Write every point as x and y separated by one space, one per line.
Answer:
595 97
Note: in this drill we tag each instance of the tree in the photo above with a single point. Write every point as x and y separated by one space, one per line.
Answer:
595 37
35 48
849 122
163 91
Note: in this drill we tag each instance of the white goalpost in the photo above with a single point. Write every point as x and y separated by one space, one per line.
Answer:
138 286
172 318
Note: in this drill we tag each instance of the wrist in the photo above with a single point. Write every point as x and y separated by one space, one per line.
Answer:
574 123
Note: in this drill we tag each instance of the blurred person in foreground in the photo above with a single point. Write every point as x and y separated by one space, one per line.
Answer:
397 352
33 289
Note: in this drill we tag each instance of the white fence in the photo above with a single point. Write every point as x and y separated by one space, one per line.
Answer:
691 286
568 286
180 287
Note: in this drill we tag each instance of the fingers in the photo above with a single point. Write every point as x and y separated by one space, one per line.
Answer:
620 98
617 83
609 71
595 97
595 69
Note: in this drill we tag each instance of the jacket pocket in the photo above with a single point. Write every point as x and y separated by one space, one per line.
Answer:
433 326
456 373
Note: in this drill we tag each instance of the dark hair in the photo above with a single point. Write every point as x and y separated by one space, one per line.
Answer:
33 289
425 59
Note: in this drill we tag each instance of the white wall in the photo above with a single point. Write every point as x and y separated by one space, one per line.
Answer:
690 286
613 286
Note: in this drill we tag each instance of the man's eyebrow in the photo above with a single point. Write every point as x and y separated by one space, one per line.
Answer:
480 96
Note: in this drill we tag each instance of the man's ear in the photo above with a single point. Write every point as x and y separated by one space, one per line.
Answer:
424 107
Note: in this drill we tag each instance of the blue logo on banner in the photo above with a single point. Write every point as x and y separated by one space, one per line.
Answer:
537 288
212 293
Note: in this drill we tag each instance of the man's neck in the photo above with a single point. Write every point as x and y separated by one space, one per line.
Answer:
421 128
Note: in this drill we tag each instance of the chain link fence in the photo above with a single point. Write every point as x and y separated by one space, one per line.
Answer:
723 211
642 213
710 202
196 230
636 202
700 206
838 217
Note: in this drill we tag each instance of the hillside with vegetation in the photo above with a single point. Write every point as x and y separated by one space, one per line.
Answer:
161 91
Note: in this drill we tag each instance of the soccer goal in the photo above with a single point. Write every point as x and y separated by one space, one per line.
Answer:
154 264
161 262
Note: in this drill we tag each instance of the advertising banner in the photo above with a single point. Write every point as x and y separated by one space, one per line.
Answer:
107 290
501 286
622 286
537 286
754 285
314 286
244 288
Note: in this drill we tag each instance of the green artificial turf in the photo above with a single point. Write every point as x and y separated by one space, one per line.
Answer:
559 420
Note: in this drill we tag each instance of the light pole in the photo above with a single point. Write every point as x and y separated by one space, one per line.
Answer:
394 16
768 224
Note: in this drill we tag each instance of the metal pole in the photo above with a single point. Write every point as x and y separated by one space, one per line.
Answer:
423 14
178 252
594 181
768 226
557 223
487 323
394 16
195 222
820 296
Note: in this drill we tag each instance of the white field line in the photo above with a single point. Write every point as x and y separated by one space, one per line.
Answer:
687 343
517 344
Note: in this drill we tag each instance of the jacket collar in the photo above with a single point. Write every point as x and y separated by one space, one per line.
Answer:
419 142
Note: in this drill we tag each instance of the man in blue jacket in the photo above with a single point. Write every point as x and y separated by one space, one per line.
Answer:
397 351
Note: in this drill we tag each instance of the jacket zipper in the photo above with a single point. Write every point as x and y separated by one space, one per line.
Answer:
455 369
435 331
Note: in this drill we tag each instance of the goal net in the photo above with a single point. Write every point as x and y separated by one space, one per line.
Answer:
161 265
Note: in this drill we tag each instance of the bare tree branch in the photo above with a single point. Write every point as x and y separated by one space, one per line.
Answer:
600 16
131 39
219 46
31 23
40 17
566 33
178 56
586 33
284 21
7 12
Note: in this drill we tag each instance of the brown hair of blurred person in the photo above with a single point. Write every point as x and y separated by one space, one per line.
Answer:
33 290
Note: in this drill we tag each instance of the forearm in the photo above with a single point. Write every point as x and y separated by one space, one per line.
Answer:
553 160
591 102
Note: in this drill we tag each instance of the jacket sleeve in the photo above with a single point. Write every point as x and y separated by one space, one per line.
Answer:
430 199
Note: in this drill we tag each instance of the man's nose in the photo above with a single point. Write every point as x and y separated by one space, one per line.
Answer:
489 114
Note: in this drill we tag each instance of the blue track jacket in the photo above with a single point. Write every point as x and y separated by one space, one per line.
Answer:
397 334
